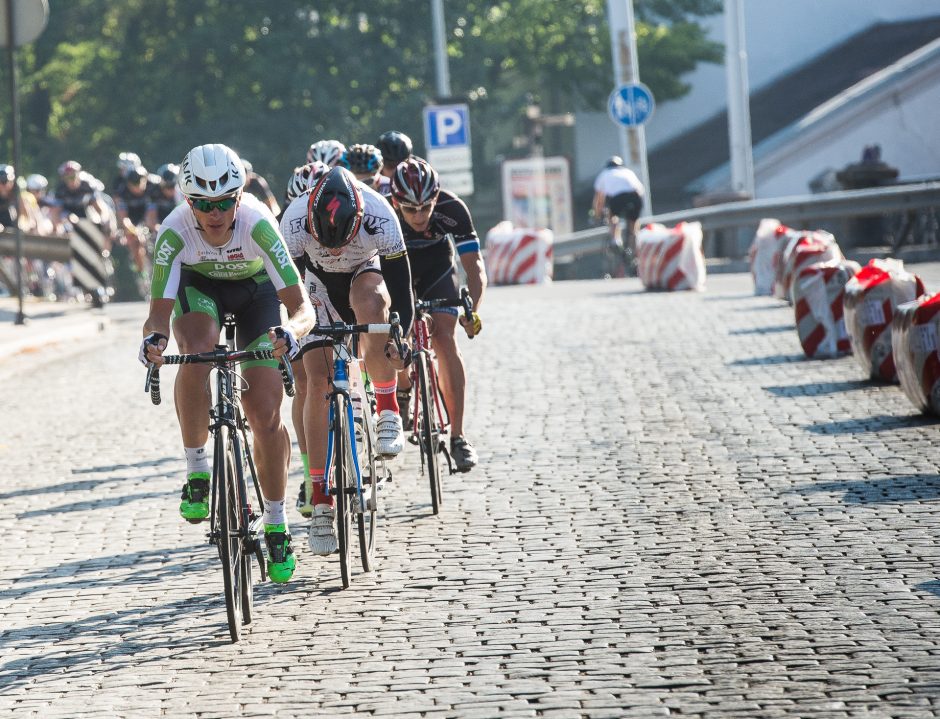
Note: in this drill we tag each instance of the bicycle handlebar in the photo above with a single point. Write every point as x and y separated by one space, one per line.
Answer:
463 301
218 357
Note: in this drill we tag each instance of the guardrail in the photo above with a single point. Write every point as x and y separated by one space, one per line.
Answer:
83 249
802 211
51 248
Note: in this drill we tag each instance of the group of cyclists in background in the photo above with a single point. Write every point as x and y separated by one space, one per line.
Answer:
363 231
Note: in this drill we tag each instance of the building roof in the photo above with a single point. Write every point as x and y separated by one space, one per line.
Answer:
677 163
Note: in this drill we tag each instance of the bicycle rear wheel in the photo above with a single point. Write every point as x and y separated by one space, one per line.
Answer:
369 470
430 431
228 539
343 474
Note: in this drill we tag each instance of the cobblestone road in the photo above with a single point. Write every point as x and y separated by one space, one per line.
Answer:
676 514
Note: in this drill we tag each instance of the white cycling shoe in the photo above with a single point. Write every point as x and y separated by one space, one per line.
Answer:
322 535
389 436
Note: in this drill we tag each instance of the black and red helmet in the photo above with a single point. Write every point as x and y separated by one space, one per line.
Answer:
335 209
415 182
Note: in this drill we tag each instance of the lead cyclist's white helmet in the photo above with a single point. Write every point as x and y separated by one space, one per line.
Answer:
327 151
211 171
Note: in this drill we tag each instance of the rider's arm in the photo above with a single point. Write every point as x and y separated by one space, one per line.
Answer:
476 276
300 314
159 318
397 274
598 207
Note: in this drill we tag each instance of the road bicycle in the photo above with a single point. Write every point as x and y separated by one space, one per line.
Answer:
234 524
354 471
429 421
618 257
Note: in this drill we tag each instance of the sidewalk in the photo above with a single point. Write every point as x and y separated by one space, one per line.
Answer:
47 323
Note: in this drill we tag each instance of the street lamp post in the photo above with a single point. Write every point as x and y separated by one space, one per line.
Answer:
15 130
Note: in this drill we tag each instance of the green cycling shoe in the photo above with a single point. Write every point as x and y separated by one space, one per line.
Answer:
281 560
194 507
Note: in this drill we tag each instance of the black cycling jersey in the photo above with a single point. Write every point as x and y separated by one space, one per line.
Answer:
7 211
134 205
161 203
75 201
450 219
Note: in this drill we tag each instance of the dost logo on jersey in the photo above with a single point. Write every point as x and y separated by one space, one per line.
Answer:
164 254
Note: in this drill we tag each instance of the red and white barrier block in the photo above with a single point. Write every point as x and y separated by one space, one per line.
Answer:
804 249
765 254
671 258
518 256
871 298
916 351
817 303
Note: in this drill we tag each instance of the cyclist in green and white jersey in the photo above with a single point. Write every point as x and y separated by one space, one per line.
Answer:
221 252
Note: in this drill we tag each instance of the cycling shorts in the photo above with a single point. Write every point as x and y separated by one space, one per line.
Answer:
434 274
329 295
625 204
253 302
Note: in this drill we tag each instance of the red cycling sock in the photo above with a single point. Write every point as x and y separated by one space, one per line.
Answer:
319 488
385 395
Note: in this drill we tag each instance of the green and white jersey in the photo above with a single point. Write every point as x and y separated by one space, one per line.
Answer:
256 250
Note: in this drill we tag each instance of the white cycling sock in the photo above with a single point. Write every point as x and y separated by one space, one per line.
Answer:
274 512
197 460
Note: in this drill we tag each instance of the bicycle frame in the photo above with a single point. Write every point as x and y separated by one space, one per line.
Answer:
422 338
342 356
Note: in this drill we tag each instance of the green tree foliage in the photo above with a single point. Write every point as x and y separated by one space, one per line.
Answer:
159 76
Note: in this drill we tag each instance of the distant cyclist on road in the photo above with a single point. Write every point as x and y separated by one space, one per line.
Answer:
618 193
329 152
365 162
221 252
435 223
356 271
395 147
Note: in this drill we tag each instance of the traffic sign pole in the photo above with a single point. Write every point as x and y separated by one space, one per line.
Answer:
623 51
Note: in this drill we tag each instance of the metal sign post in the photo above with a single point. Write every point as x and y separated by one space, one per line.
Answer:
626 71
25 20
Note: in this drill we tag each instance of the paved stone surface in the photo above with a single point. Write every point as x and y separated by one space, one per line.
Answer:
675 514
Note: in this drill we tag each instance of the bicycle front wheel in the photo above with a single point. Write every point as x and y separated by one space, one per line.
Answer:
430 430
344 476
227 537
246 543
370 468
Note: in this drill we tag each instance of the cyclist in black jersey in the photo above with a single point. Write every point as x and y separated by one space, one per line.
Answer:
436 223
164 196
395 147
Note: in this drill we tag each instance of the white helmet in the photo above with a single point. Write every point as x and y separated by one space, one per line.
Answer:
127 161
36 183
305 177
328 151
211 171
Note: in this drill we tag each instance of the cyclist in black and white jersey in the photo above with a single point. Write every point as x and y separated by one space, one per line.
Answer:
356 270
221 253
437 223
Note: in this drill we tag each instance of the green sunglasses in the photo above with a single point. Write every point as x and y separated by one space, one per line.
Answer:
226 203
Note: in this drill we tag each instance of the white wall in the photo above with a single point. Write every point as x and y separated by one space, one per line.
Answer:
782 35
905 123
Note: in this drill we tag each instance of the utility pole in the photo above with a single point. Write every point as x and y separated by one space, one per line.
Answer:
739 113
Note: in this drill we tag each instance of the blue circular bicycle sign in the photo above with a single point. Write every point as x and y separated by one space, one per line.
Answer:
631 104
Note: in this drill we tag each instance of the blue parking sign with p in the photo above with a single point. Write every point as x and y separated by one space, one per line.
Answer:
446 126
